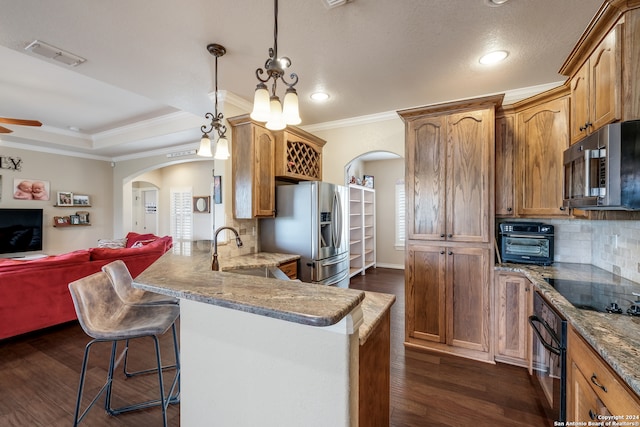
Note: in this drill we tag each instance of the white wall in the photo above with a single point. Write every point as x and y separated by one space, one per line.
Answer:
386 173
346 143
64 173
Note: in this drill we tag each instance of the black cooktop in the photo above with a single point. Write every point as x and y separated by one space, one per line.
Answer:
602 297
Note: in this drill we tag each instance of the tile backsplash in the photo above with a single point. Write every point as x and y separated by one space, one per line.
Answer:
611 245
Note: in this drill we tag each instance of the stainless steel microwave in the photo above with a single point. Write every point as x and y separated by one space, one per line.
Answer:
602 171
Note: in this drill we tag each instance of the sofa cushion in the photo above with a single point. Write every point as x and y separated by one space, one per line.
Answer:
133 238
106 253
70 258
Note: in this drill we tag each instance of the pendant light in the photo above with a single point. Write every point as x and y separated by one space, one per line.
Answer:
267 107
222 147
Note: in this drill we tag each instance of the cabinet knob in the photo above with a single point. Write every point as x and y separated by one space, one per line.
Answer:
509 209
441 252
594 380
588 125
442 235
562 208
592 414
450 253
449 235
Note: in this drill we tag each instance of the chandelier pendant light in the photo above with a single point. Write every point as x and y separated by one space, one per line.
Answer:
222 147
267 107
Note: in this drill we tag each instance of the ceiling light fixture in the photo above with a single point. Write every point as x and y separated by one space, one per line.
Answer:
222 147
495 3
44 49
319 96
494 57
267 108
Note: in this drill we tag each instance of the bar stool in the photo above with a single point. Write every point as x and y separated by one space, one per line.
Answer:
105 318
122 282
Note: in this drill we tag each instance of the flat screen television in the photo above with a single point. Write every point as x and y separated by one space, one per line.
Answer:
20 230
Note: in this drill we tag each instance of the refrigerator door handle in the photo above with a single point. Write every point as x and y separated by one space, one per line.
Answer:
336 224
340 279
334 262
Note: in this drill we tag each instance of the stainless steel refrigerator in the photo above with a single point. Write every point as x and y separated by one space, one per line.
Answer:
312 220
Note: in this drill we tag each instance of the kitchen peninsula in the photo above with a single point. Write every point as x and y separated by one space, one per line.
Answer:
261 351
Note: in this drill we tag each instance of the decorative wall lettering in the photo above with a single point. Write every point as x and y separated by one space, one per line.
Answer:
11 163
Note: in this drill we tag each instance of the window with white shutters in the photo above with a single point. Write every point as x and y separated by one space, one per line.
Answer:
181 218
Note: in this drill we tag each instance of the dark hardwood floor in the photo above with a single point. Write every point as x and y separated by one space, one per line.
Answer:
39 378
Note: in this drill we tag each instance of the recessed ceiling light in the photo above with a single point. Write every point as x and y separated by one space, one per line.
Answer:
74 128
494 57
319 96
495 3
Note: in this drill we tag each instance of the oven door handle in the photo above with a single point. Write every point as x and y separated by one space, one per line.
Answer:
528 236
555 350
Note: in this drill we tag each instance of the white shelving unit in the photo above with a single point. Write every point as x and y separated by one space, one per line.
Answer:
362 229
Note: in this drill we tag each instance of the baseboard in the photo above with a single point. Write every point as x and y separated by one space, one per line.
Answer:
395 266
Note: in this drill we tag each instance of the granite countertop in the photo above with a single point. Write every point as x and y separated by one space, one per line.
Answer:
256 260
615 337
190 277
374 307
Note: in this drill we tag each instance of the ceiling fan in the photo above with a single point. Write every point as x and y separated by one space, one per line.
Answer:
20 122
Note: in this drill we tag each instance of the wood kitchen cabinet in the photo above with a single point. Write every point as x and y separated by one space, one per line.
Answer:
542 135
252 169
592 387
449 173
449 188
505 165
596 88
447 300
513 306
298 155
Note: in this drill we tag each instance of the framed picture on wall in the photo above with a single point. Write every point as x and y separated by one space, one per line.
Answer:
65 198
217 189
81 199
368 181
30 189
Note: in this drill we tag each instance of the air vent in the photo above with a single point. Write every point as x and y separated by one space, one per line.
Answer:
44 49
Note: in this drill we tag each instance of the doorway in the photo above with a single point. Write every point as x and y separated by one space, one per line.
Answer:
145 209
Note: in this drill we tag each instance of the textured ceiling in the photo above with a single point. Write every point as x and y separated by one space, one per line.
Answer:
147 59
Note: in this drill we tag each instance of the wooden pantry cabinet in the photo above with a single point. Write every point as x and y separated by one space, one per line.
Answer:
513 304
448 299
449 188
593 389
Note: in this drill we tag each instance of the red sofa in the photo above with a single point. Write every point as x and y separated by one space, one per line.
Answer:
34 294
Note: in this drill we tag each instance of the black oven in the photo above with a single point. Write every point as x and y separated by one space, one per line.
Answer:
549 361
526 242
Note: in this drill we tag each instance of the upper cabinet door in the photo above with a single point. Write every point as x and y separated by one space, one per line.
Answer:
425 179
580 104
264 191
504 169
470 152
542 137
597 87
605 80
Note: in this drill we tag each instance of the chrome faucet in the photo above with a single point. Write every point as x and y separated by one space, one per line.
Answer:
215 266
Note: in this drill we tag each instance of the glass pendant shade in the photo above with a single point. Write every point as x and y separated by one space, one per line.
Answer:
261 109
205 147
290 108
276 119
222 149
